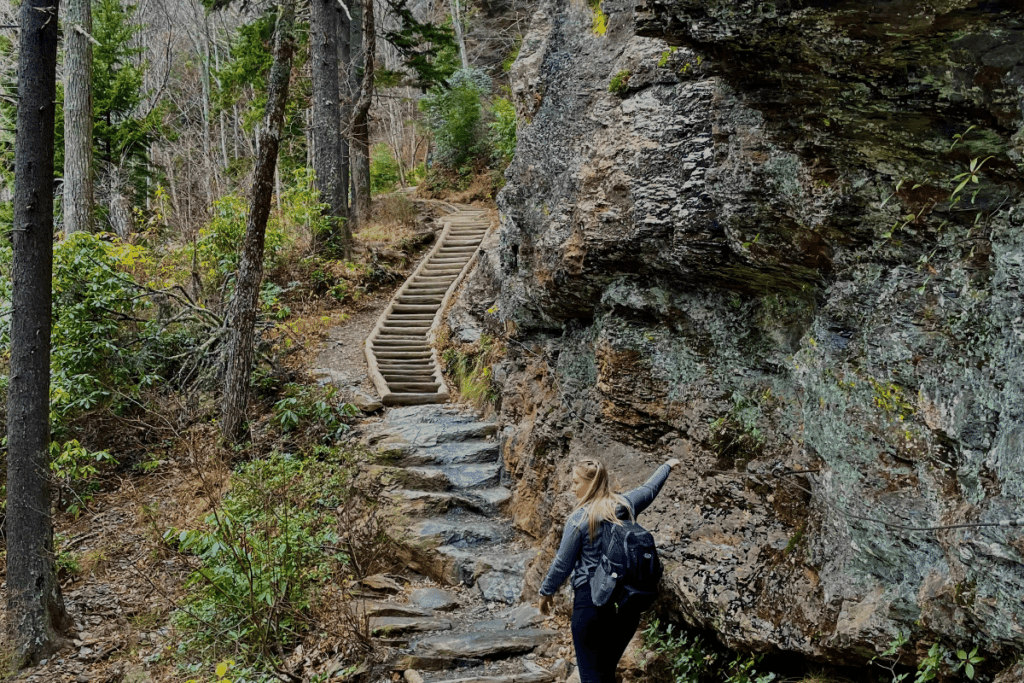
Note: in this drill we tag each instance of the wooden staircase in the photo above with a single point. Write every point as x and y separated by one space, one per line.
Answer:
402 363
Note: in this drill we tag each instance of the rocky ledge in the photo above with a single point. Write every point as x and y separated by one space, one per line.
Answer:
731 235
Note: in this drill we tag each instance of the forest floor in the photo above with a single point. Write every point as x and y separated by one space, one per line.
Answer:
120 580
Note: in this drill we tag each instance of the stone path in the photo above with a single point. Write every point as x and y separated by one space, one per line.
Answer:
402 364
447 475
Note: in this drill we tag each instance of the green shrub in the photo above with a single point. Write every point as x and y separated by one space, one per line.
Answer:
455 117
290 529
384 175
313 408
503 129
619 83
682 658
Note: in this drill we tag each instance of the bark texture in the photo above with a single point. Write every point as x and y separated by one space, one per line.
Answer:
360 142
326 112
35 608
241 318
346 91
78 199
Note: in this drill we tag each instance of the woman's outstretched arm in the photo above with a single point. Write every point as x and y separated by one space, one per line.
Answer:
644 495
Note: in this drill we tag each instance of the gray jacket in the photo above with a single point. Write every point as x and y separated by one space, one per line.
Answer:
578 553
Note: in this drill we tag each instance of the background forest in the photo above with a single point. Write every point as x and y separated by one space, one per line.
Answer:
162 109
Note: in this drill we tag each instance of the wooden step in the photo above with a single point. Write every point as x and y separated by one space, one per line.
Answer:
402 354
402 322
414 386
414 308
411 399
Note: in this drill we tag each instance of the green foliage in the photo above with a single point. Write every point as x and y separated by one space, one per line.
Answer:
290 529
503 129
384 176
455 116
265 553
93 360
75 469
688 659
513 55
421 46
471 371
122 133
600 23
736 437
220 240
312 406
619 83
936 662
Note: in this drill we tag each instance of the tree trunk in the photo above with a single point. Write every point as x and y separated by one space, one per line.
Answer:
457 23
347 93
36 611
360 144
78 117
241 317
326 113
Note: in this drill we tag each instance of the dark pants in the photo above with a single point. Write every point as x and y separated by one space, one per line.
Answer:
600 635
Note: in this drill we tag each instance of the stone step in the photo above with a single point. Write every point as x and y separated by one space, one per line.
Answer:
429 663
470 476
411 328
439 428
502 569
432 503
373 608
462 452
483 644
385 626
461 529
461 243
425 289
523 677
399 355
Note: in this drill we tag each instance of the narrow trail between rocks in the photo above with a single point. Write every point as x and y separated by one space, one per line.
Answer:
455 614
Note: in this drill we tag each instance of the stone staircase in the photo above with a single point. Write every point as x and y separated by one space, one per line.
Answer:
402 364
446 474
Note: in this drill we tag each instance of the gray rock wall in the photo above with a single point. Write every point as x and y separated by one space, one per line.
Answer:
721 263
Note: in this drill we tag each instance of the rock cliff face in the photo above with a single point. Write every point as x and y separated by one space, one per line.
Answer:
750 256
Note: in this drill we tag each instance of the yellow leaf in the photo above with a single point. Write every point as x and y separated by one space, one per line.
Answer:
222 669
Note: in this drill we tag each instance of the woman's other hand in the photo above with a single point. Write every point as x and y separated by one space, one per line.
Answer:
546 602
673 462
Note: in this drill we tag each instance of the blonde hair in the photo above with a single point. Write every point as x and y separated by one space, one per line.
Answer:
600 501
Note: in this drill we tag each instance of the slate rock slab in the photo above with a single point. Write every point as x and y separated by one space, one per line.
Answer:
393 625
374 608
431 663
501 587
490 644
433 599
525 616
380 582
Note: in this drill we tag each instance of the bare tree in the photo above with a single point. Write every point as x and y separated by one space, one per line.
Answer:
326 115
78 198
241 318
36 611
360 139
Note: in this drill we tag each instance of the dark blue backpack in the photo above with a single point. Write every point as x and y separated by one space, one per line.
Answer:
628 572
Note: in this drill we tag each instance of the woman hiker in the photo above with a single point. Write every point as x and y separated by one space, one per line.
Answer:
599 634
